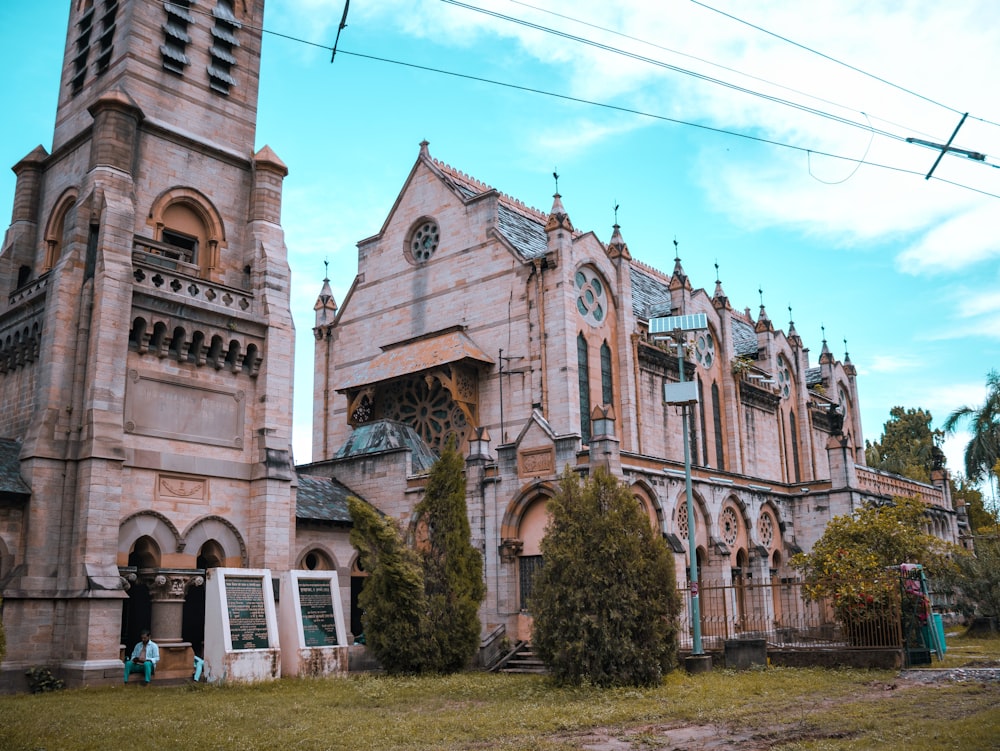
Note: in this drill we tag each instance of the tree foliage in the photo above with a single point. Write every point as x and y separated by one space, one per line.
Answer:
850 562
605 602
981 520
452 567
907 446
393 602
979 578
982 454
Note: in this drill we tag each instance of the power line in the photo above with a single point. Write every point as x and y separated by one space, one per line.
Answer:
672 51
834 60
613 107
663 118
668 66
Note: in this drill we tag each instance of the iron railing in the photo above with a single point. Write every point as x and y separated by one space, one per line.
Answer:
782 613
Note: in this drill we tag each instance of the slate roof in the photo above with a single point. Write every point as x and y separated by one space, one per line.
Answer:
322 499
387 435
521 225
11 483
650 296
814 376
744 338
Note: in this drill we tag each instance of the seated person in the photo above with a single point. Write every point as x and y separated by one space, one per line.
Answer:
144 657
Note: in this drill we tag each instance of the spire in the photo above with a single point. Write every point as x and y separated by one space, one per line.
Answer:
825 356
793 336
678 280
849 368
617 247
326 306
763 322
719 299
558 218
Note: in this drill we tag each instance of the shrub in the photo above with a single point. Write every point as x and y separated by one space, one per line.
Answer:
41 680
605 602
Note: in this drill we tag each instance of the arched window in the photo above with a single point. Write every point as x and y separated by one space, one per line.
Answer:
583 378
183 233
62 219
720 456
607 385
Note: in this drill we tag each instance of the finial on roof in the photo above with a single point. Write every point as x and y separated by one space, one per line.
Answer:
717 271
424 151
558 217
617 247
793 335
326 306
677 252
763 322
760 292
825 356
847 355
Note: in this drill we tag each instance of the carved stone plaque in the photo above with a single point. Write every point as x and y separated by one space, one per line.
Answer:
172 409
180 488
537 461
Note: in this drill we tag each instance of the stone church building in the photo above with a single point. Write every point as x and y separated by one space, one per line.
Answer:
146 349
528 340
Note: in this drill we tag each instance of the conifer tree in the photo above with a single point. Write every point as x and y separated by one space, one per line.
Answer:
393 603
605 601
452 567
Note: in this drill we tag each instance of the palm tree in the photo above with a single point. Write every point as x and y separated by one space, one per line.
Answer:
983 450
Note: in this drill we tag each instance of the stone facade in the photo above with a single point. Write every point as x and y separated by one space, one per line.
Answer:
475 316
146 342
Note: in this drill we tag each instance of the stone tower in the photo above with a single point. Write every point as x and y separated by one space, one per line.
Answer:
146 341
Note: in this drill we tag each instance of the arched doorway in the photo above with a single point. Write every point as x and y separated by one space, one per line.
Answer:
137 608
211 555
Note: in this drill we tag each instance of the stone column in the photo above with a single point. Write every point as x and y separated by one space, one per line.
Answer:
168 589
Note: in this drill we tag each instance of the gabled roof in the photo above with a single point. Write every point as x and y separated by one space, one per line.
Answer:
11 483
387 435
322 499
521 225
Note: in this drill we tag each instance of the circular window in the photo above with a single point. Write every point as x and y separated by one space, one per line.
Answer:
424 240
765 528
730 526
591 301
704 349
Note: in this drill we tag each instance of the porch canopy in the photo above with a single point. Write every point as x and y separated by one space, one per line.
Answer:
416 355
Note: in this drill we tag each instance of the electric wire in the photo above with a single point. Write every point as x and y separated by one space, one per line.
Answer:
726 68
663 118
613 107
669 66
838 62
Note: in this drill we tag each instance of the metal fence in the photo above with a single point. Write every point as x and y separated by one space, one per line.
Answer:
781 613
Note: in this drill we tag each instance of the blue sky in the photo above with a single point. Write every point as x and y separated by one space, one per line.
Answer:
905 269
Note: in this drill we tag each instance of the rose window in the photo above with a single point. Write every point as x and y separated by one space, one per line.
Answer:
424 241
591 301
730 526
429 410
682 522
704 349
765 528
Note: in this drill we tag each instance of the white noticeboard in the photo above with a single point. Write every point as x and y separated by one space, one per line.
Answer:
241 626
311 621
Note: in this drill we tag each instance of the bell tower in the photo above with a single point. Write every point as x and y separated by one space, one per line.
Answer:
146 341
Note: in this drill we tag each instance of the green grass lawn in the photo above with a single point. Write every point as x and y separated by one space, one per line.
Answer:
775 708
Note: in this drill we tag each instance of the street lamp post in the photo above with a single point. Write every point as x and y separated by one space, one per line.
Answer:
684 394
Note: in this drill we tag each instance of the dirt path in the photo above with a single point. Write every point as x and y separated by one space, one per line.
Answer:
679 737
